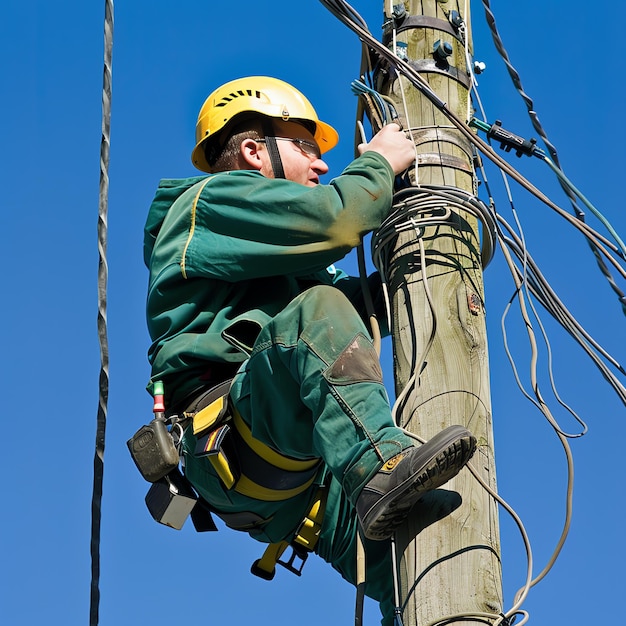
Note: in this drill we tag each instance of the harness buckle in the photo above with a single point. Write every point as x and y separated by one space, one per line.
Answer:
297 552
265 567
304 542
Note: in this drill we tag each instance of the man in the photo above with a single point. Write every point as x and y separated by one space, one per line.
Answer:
239 288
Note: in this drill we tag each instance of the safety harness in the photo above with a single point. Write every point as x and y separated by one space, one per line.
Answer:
243 464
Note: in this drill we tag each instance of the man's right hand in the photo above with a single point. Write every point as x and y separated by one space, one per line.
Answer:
392 144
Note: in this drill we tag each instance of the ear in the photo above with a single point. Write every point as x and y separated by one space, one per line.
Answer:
249 152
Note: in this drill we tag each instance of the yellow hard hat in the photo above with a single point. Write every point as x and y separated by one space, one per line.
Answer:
256 94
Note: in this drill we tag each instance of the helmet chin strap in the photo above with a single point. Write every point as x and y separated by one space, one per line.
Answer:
272 149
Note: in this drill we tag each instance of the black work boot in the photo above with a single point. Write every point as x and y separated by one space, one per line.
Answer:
388 497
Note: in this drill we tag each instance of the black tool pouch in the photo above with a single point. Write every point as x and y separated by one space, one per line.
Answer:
172 499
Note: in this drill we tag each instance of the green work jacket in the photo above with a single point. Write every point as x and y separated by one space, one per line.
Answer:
229 251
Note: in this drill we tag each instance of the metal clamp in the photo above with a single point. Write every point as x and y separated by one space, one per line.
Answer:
431 66
425 21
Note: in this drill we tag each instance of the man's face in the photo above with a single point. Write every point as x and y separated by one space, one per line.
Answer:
301 161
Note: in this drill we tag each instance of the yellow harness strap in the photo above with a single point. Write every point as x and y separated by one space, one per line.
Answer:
302 473
209 415
265 452
254 470
265 567
309 532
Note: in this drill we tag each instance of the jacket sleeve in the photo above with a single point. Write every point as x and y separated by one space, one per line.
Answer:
245 226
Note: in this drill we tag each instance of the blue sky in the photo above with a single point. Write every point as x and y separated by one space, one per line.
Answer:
165 62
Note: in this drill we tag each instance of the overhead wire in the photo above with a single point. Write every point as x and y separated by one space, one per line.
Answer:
542 291
530 278
527 278
103 387
543 407
535 281
568 183
554 163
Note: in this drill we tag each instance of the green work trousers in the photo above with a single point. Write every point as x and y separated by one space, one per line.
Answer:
312 387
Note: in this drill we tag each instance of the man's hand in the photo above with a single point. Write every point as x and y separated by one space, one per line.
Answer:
391 143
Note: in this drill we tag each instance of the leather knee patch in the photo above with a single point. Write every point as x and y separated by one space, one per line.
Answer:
357 363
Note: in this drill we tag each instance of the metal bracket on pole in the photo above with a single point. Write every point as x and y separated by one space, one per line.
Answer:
424 21
443 160
431 66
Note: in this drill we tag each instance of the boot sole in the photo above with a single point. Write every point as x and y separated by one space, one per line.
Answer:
391 510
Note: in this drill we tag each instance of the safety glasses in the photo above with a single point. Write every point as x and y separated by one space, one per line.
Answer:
307 147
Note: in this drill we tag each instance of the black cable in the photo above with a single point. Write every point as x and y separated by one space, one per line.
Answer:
541 290
98 462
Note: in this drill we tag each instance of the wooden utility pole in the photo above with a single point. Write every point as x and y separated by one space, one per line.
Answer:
449 552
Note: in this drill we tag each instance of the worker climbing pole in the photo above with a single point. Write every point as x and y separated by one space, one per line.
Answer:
244 461
435 280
